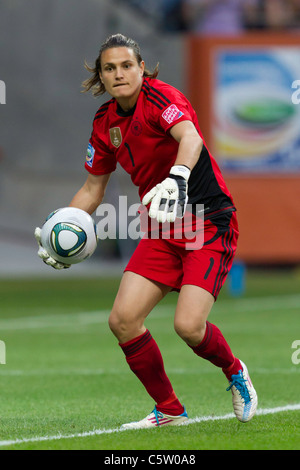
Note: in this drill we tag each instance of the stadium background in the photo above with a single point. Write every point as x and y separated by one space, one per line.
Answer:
62 363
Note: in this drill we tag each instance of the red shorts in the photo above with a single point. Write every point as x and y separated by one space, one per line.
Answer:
170 263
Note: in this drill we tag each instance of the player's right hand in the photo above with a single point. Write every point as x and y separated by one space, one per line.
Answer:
44 255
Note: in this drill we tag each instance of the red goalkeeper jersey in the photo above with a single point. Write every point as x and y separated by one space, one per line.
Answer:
140 141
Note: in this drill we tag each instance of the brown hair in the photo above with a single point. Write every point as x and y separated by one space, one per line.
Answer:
117 40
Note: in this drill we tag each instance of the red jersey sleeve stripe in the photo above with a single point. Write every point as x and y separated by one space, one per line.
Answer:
103 109
154 90
153 97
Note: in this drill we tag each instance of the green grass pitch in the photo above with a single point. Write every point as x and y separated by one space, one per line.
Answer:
66 384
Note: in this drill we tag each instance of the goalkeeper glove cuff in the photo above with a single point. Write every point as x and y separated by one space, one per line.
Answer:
181 170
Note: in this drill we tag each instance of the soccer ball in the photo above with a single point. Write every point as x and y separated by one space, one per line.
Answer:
69 235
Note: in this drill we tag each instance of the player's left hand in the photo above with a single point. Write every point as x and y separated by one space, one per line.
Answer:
169 198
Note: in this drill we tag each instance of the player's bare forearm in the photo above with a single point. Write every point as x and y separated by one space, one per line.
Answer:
189 151
91 194
190 144
82 200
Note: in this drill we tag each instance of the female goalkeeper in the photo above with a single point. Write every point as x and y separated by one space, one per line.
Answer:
151 130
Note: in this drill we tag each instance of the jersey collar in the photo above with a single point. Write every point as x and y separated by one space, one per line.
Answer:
122 113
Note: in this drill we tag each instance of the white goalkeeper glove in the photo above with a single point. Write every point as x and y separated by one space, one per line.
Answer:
44 255
169 198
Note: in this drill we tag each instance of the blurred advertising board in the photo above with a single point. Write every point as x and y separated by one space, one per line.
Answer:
245 91
256 125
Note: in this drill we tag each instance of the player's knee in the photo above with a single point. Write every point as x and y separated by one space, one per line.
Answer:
191 332
117 322
122 323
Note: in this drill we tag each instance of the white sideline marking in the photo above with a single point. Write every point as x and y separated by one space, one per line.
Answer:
98 432
259 412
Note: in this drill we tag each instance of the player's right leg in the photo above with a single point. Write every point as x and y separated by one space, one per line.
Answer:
136 297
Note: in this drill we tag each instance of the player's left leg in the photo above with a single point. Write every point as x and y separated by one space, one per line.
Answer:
205 271
208 342
205 339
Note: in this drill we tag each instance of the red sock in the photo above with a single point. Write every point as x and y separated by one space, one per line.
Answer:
215 349
144 359
171 406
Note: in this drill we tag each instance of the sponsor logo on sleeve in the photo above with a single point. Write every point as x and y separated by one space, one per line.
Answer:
90 155
171 114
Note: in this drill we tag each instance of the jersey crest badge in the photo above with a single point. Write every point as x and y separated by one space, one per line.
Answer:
115 136
136 128
171 114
